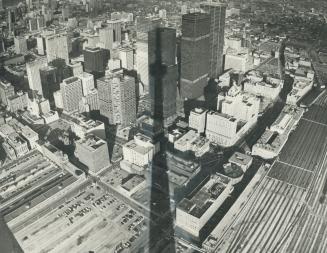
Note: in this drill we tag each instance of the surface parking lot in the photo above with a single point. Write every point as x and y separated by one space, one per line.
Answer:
91 220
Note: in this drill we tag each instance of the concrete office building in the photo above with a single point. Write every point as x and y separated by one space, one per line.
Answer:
116 26
76 68
33 74
194 54
32 22
15 146
226 130
92 99
193 212
40 22
117 98
18 102
87 82
106 37
57 47
72 92
6 91
217 11
197 119
40 44
20 45
137 153
126 55
93 152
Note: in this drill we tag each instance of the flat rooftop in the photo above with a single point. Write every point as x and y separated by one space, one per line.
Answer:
132 181
71 80
92 142
240 158
203 197
137 148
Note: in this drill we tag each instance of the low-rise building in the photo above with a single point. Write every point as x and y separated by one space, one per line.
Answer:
242 160
238 60
257 84
301 87
82 126
194 211
132 184
31 136
17 102
93 152
138 153
226 130
242 106
191 141
273 139
15 146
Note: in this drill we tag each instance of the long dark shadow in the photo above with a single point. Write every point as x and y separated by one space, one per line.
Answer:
161 234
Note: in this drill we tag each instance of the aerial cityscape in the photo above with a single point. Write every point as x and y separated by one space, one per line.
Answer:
163 126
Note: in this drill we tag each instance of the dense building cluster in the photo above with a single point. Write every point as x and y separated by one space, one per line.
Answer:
148 126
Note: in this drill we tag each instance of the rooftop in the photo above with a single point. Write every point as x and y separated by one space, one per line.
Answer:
239 158
15 140
132 181
203 197
137 148
83 121
70 80
92 142
198 110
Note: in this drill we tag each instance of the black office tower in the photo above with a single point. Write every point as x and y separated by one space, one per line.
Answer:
163 74
217 11
95 61
49 82
194 54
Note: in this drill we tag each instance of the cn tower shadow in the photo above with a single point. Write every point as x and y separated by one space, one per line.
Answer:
161 231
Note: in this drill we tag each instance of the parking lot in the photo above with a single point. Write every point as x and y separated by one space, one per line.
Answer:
91 220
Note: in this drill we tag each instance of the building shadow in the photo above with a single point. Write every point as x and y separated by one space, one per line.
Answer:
8 243
161 230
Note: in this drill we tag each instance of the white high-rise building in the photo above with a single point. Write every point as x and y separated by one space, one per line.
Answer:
116 26
197 119
92 100
106 37
126 56
57 96
87 82
114 64
57 47
20 45
40 43
72 93
142 65
77 68
117 98
33 74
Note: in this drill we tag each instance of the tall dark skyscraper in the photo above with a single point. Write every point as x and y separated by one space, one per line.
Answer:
94 61
217 11
194 54
49 81
163 74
